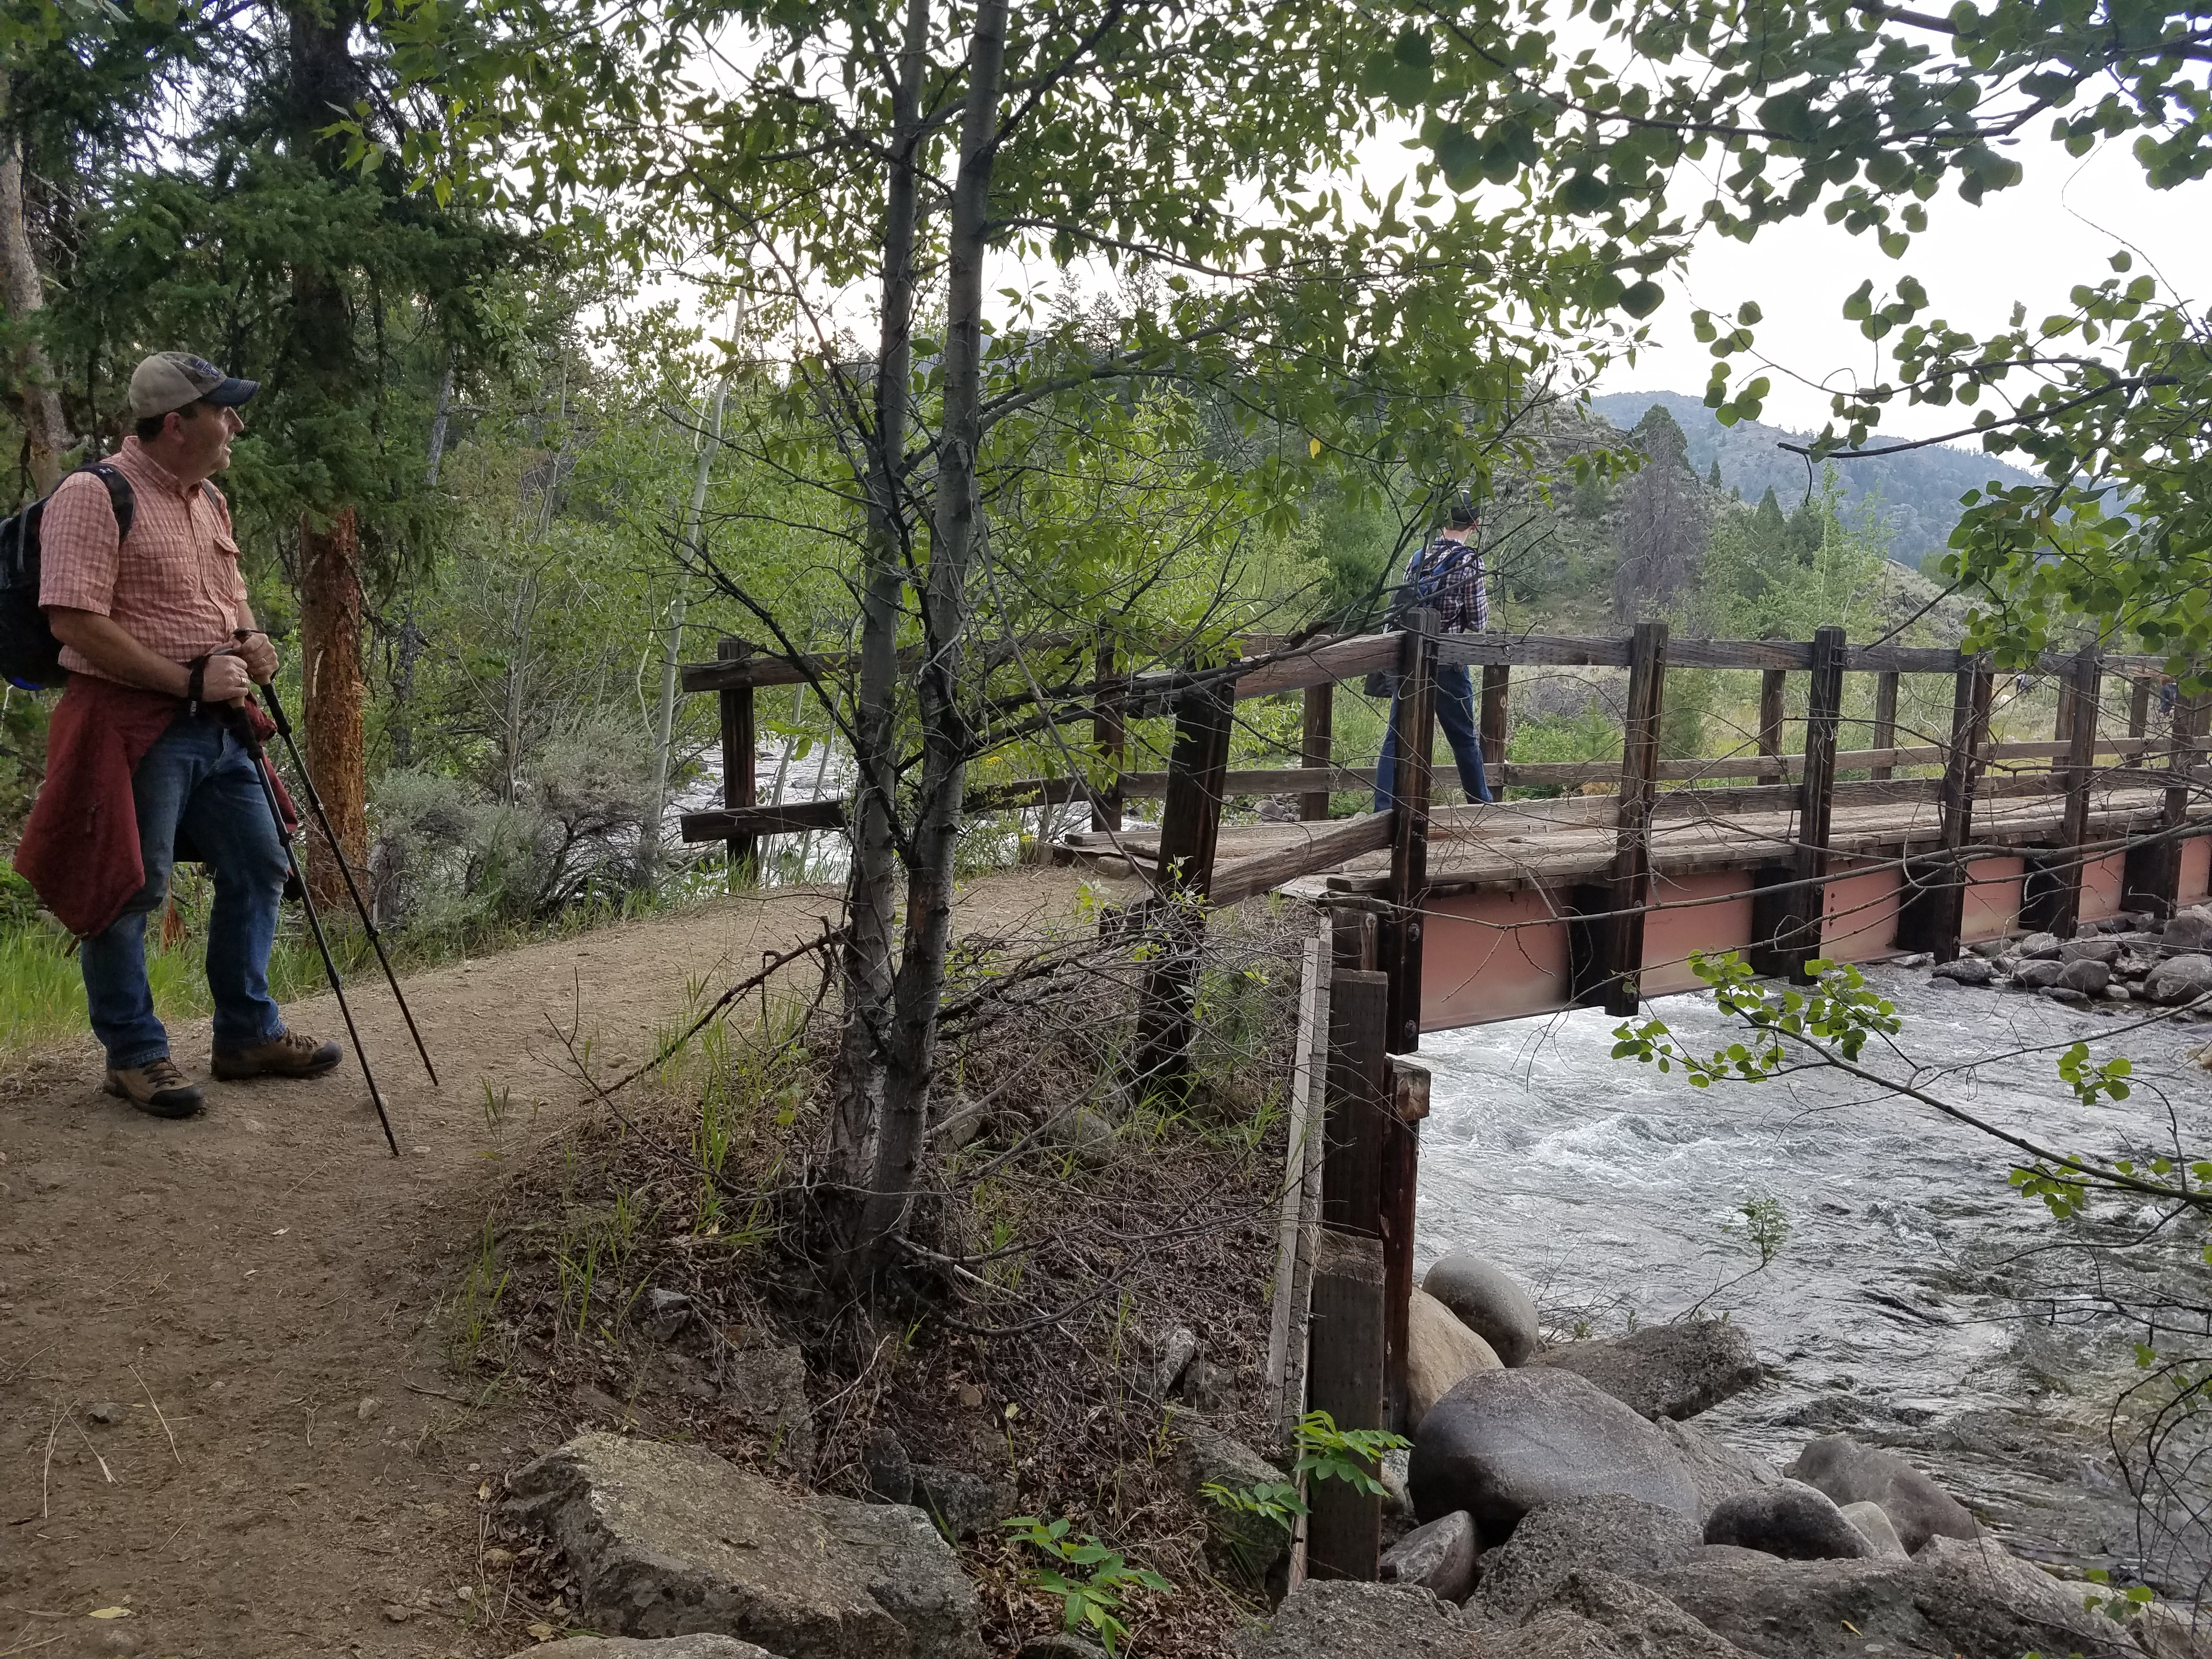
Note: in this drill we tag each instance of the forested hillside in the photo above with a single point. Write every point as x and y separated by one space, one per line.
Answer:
1918 491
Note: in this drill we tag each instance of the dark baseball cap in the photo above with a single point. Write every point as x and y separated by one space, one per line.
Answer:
170 379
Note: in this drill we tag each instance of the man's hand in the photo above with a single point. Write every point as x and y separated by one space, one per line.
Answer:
260 656
227 678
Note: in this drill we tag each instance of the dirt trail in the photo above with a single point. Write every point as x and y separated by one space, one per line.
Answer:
255 1290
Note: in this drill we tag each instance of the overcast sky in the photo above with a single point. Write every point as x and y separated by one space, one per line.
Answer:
2031 243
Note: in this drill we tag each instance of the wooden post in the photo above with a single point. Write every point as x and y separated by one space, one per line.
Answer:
1315 744
1885 719
1190 825
1299 1211
1824 703
1496 686
739 741
1108 738
1932 917
1414 725
1631 885
1355 938
1358 1102
2077 697
2182 749
1344 1377
1773 682
2139 709
1408 1083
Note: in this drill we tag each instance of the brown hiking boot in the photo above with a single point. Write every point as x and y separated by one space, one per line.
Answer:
157 1088
288 1054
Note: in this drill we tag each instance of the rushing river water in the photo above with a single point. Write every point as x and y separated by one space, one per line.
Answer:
1912 1303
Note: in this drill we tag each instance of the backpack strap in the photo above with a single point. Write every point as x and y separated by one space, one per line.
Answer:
118 495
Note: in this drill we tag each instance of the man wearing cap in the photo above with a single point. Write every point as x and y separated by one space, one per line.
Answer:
141 753
1446 575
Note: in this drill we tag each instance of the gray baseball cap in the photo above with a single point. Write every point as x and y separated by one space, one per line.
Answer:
170 379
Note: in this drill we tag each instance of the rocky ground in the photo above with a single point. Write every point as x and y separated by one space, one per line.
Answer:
2124 959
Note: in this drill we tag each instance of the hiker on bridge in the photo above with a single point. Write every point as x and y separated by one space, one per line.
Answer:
139 578
1446 576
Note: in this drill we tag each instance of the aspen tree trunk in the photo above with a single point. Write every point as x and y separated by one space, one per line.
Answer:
37 404
919 989
333 697
872 890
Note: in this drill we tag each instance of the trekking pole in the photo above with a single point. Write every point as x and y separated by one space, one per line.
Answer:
242 725
345 869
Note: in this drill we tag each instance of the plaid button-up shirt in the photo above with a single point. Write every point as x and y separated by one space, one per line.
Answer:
174 583
1448 578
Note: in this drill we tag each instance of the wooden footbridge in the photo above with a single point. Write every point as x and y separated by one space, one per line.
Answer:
1481 913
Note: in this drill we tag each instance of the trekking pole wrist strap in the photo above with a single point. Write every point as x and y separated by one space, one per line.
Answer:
196 685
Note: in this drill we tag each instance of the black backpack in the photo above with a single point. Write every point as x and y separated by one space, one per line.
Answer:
30 655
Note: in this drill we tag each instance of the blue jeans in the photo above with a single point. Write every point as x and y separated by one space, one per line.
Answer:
196 779
1456 713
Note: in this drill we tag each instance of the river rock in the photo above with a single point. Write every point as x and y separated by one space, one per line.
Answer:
1439 1557
1851 1474
664 1539
1788 1519
2188 930
2038 975
1504 1442
2038 947
2065 993
1666 1371
1973 1601
1439 1352
2179 979
2165 1631
1618 1535
2087 976
2103 948
963 1504
630 1647
1247 1544
1966 970
1485 1299
1343 1619
1085 1133
764 1388
1719 1469
1872 1523
1600 1615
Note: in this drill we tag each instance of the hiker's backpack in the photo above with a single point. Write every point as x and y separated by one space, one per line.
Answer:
30 655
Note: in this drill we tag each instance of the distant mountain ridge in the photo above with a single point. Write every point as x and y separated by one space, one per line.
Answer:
1919 491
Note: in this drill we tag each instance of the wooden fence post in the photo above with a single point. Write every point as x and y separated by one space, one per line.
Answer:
1773 683
1622 967
1316 744
1885 720
2139 709
1415 727
1497 686
1408 1086
1108 738
1807 906
2077 699
1932 914
1344 1377
1299 1213
739 741
1358 1102
1190 825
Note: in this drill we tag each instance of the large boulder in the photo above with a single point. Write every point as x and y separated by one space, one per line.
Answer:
1236 1542
1342 1618
2038 975
1720 1470
1439 1557
1504 1442
1972 1600
1851 1474
1484 1300
1440 1352
1788 1519
662 1647
1600 1615
2103 948
1966 970
2179 979
2089 977
1666 1371
2188 930
2040 947
668 1540
1616 1535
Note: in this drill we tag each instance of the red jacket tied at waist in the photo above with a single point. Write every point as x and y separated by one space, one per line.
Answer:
80 849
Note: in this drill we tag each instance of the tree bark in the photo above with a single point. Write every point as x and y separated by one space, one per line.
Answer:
38 403
333 695
871 887
956 537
